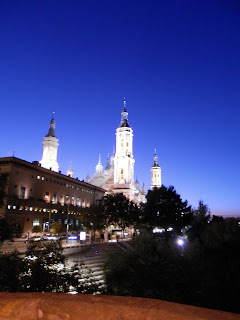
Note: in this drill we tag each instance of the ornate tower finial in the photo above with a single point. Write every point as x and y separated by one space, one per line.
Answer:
124 116
70 170
155 158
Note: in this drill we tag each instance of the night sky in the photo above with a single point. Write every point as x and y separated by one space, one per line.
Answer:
177 63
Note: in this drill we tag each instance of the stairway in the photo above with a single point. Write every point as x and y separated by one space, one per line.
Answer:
94 257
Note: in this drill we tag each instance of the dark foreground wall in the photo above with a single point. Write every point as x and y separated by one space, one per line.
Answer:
51 306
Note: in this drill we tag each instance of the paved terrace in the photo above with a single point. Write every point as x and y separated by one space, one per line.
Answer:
58 306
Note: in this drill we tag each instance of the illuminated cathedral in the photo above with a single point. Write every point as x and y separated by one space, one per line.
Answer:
118 175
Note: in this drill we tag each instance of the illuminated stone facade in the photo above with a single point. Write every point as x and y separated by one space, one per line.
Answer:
36 195
156 181
118 176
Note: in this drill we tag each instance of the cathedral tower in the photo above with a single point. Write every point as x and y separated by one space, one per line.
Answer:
155 173
50 148
123 160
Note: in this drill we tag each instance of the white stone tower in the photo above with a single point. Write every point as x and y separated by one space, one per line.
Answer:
155 173
123 160
50 148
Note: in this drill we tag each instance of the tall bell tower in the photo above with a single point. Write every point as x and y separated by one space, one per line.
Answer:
50 148
123 160
155 173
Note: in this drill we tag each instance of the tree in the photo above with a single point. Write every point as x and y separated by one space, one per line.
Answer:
57 227
94 219
204 274
5 231
37 229
200 220
3 185
119 210
45 269
165 209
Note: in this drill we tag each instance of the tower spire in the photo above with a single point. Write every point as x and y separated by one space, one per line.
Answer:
155 159
70 170
124 116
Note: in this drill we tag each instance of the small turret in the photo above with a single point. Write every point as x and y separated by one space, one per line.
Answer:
70 170
99 167
87 178
136 185
108 165
143 189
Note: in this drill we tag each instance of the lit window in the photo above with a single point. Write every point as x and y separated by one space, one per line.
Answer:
42 178
22 193
78 202
36 222
9 207
30 208
38 177
44 210
54 198
14 207
47 196
122 173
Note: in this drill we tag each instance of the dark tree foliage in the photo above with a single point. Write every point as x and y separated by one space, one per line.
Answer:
10 266
119 210
37 229
201 217
205 272
165 209
93 218
3 185
43 269
5 231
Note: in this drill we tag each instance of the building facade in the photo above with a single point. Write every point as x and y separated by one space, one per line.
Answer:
118 176
36 195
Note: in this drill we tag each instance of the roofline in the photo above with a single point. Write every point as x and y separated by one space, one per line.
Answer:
35 165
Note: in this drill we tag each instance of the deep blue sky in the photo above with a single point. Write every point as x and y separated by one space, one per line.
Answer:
177 63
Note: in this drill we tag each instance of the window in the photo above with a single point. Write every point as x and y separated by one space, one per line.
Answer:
46 196
36 222
42 178
78 202
38 177
73 200
54 198
122 173
22 193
